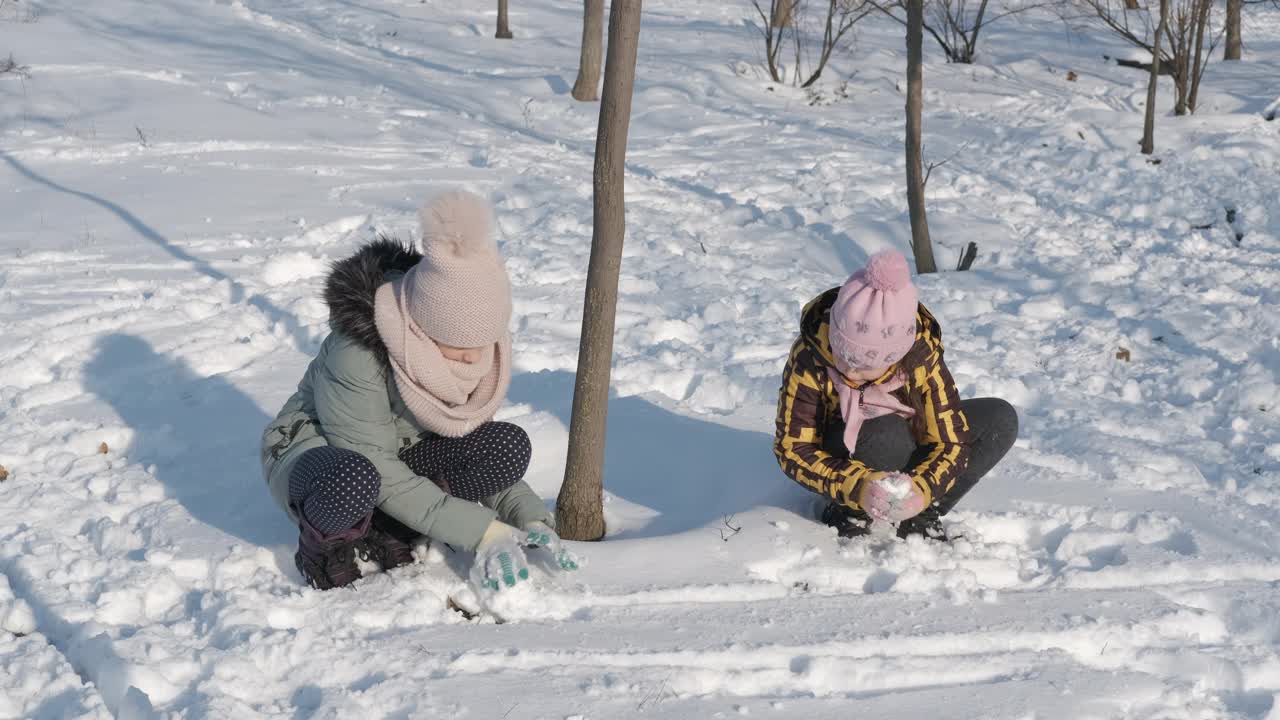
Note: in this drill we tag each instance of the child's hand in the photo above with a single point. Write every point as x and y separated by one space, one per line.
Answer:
499 562
891 497
540 535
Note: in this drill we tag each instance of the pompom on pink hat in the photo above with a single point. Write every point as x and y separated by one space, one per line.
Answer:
873 321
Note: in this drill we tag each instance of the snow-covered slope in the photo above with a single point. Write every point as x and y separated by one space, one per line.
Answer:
174 177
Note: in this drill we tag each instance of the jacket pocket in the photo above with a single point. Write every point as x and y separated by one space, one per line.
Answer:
287 436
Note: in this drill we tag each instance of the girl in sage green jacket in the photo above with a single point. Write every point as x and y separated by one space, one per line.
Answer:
391 433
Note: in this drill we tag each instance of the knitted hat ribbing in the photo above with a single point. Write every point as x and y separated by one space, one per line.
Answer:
873 321
459 293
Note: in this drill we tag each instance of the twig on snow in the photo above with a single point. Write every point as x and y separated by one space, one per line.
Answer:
728 523
11 66
655 697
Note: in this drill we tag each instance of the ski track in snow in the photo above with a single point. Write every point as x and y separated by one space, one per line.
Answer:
176 178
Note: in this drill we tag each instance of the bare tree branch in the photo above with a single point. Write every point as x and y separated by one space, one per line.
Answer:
955 28
930 166
829 29
1185 55
732 529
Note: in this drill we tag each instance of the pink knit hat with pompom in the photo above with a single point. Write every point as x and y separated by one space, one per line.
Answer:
873 321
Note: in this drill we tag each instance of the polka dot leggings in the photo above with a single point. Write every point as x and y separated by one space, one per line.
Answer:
473 467
333 488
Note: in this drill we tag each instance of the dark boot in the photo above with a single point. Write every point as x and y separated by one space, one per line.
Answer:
928 525
328 562
388 542
849 523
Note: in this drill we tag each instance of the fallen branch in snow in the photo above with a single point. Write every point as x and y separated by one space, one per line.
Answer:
657 698
11 66
968 256
1165 69
1232 214
728 523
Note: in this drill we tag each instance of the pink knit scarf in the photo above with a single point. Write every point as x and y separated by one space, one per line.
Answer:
446 397
870 401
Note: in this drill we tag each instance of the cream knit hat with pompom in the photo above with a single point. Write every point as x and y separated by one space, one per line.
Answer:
459 293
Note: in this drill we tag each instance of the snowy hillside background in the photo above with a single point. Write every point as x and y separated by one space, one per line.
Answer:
175 176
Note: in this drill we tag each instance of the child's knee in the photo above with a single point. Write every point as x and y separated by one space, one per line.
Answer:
351 476
508 448
1004 419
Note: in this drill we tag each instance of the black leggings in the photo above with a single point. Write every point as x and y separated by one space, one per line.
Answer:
333 488
887 444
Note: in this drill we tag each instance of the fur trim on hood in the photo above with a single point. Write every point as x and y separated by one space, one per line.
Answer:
349 291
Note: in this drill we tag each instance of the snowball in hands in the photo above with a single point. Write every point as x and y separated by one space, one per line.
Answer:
892 497
499 560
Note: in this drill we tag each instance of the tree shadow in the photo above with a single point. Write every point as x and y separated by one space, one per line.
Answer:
691 472
557 84
301 337
200 433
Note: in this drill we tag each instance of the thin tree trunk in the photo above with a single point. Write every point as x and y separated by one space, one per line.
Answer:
1180 49
504 28
580 506
971 41
586 89
1149 124
1180 86
772 46
1232 51
920 243
828 44
1202 10
781 15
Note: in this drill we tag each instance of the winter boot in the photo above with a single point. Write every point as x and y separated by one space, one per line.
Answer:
388 542
849 523
328 562
928 525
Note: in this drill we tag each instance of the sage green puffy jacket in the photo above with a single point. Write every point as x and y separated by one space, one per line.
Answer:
348 399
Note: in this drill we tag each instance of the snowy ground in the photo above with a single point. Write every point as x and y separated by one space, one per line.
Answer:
174 177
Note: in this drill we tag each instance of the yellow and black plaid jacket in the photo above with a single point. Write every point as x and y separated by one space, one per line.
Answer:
808 402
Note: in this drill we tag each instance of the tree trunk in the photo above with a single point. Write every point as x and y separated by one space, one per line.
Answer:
1180 88
504 28
580 506
1180 38
781 15
1232 51
1149 124
971 41
1202 10
586 89
920 243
